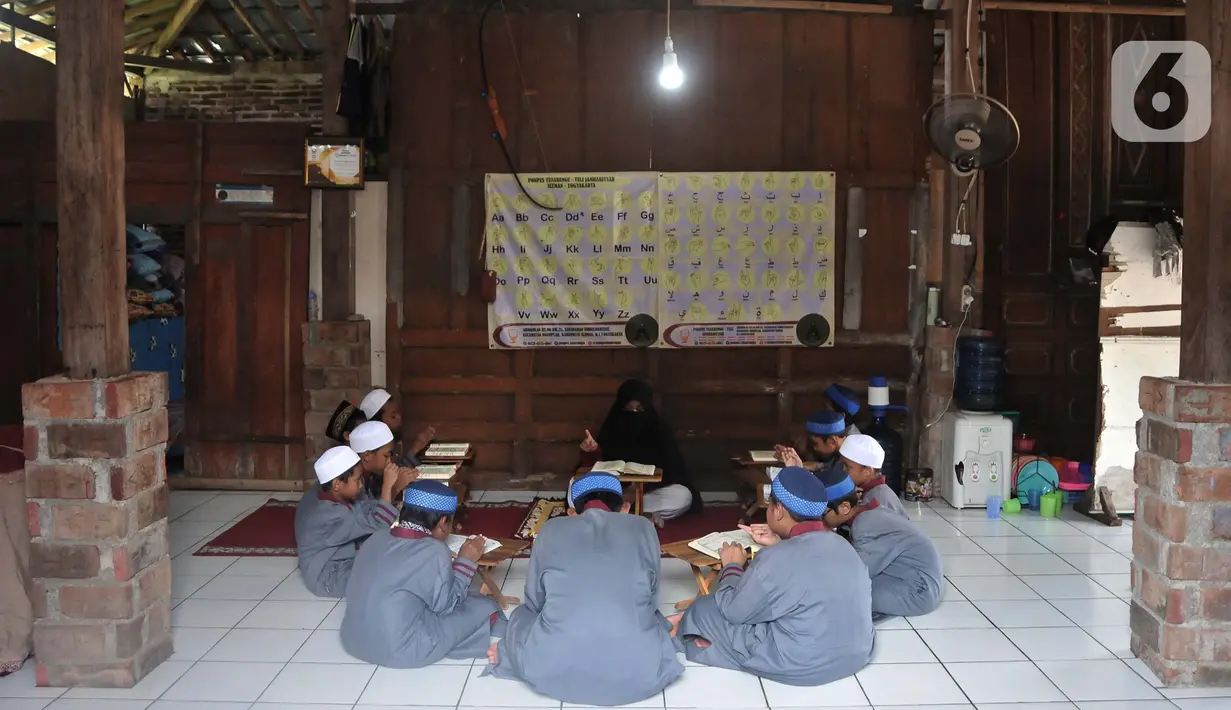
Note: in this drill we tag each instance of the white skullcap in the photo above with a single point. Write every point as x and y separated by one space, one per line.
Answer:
373 401
334 463
370 436
860 448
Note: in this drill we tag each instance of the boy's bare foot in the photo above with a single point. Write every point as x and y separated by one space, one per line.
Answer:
701 643
675 623
491 653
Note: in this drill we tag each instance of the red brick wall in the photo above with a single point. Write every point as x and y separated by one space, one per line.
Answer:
248 96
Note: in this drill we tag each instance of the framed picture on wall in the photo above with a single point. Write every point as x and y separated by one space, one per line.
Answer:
334 162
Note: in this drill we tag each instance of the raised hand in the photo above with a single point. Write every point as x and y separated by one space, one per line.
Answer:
424 438
588 444
761 534
789 457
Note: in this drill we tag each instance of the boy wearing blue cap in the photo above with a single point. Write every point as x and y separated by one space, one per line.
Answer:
801 614
825 431
843 399
408 603
904 565
335 517
590 632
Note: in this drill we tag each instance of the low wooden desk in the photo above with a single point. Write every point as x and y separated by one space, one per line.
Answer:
637 482
704 568
754 476
508 548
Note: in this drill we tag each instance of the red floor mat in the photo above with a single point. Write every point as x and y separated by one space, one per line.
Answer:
269 531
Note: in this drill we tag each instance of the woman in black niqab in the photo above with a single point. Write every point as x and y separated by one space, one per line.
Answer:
634 431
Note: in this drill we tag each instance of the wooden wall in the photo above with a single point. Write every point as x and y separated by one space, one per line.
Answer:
1070 170
247 281
764 90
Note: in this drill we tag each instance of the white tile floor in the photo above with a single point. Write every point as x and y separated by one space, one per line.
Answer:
1034 618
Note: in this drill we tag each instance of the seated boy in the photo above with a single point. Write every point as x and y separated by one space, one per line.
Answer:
843 399
335 517
373 442
801 614
379 406
863 456
904 565
343 421
825 432
590 632
409 603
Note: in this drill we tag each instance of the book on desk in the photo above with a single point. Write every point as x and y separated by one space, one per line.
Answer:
711 544
447 451
437 471
624 468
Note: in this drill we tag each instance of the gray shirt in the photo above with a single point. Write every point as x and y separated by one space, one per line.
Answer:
800 615
589 632
408 603
328 533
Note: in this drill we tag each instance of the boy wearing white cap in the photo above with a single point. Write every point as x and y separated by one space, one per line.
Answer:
373 442
335 517
863 456
380 406
590 632
408 603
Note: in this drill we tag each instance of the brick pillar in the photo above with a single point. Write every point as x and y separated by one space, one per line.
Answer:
96 482
337 360
1181 609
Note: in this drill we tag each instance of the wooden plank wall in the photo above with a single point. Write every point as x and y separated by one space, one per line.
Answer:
1069 171
764 91
247 281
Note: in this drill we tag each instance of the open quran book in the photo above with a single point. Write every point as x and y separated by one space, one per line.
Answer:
456 541
447 451
437 472
762 457
712 544
624 468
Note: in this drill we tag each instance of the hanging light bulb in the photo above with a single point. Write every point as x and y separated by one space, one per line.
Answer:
671 76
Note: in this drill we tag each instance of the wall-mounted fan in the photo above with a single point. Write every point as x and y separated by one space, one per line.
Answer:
972 131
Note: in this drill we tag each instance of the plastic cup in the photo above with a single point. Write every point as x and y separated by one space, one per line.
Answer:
1049 505
1036 497
993 507
1011 505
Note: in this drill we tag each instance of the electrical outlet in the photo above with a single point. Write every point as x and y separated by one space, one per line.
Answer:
968 297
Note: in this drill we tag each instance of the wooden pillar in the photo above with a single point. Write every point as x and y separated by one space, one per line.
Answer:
90 174
337 240
1205 326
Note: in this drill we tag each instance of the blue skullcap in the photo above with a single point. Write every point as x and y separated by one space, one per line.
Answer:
826 423
843 398
800 492
431 495
591 482
837 483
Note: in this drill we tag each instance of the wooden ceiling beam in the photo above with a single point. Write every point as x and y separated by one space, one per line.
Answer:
242 14
187 10
305 9
225 31
8 18
274 12
147 23
207 48
149 8
36 8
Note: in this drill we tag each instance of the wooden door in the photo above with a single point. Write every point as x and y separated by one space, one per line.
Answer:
28 293
246 305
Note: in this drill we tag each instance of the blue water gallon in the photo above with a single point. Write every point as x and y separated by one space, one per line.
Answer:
979 373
